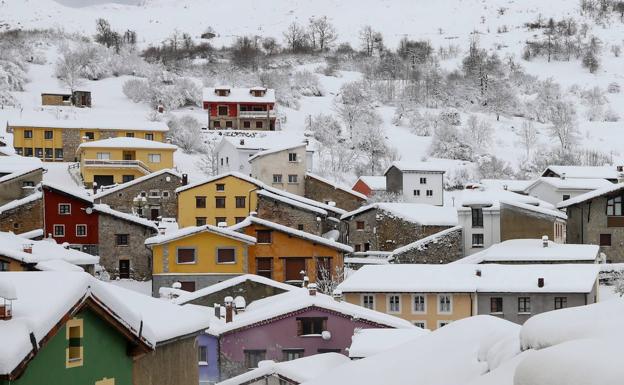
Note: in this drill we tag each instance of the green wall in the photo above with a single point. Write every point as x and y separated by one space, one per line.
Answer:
104 355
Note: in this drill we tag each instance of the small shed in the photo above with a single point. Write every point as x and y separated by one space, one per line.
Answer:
79 98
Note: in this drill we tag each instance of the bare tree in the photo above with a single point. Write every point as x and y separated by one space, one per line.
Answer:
327 280
296 38
322 33
527 136
208 161
478 133
371 40
185 132
564 127
69 70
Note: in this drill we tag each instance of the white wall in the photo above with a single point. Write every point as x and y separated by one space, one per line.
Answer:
490 229
264 167
435 183
551 194
231 159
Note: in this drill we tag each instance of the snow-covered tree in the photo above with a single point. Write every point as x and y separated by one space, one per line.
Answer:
501 98
327 280
449 143
563 126
296 38
491 167
208 161
376 153
371 41
353 105
594 99
69 70
186 133
478 133
527 137
322 33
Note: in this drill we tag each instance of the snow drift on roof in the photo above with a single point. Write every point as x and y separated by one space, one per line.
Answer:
588 172
12 246
423 214
50 121
106 209
20 202
506 184
376 183
367 342
337 186
571 183
124 142
591 195
275 150
136 181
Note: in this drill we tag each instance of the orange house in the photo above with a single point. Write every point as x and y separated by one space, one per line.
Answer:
283 253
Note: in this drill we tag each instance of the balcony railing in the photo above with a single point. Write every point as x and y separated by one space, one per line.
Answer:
257 114
116 163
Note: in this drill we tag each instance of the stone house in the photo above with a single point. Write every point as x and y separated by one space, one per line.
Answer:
323 190
23 215
597 218
419 182
122 244
283 168
18 177
157 188
442 247
388 226
79 98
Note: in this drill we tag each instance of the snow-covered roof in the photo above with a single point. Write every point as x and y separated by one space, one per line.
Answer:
416 167
58 265
507 184
32 234
336 186
240 95
260 141
274 150
587 172
15 166
533 251
591 195
74 191
106 209
294 371
292 202
125 142
376 183
192 230
463 278
292 232
541 209
423 214
133 182
285 303
12 246
190 296
22 201
51 122
421 244
570 183
367 342
366 260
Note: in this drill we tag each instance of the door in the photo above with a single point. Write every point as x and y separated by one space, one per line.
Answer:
154 214
103 180
124 269
294 267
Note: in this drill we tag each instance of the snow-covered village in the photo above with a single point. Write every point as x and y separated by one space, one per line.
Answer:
397 192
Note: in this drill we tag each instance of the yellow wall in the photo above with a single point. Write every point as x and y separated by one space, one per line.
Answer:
187 212
206 245
461 307
159 136
37 140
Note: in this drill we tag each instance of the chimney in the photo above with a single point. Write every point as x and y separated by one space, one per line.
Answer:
306 281
505 187
95 188
242 142
620 168
563 175
545 241
540 282
217 310
478 272
312 289
228 309
27 248
184 179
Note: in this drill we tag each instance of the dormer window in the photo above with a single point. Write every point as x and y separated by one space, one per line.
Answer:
222 91
258 91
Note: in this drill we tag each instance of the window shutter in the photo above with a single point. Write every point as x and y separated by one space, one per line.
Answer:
324 326
299 327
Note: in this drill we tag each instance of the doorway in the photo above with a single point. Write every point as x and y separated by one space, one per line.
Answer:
124 269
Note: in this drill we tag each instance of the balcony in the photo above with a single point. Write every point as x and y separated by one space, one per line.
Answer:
256 114
117 164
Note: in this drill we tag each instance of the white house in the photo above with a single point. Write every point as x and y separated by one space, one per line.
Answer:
418 182
282 167
556 189
612 174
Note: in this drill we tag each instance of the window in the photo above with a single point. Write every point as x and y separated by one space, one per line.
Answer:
58 153
423 180
496 305
416 193
200 221
292 178
259 124
311 325
359 225
561 302
253 357
185 255
74 351
153 158
292 354
129 134
277 178
222 110
566 197
357 248
64 208
59 230
219 220
368 301
39 152
419 303
81 230
238 219
394 304
165 194
445 303
300 227
216 124
48 135
220 186
28 151
477 217
443 323
122 239
4 265
420 324
143 194
246 124
103 155
89 135
187 285
220 202
264 267
19 151
366 246
149 136
27 134
200 202
154 193
226 255
263 236
292 156
240 202
28 183
202 355
127 178
477 240
605 239
524 305
614 206
228 124
429 193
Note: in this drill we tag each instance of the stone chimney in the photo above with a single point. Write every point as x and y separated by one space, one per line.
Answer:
545 241
540 282
229 309
27 248
184 179
312 289
478 272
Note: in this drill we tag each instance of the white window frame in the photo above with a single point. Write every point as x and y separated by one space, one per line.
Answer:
103 155
450 304
277 180
54 231
414 311
64 204
157 195
165 194
151 158
422 321
296 179
388 296
85 227
292 157
362 300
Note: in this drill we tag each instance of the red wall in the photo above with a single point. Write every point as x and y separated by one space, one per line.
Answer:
233 107
51 200
362 188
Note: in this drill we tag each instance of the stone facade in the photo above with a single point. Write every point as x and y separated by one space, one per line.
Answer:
443 248
71 141
111 254
292 216
200 280
518 223
250 290
14 188
394 181
322 191
165 202
384 232
24 218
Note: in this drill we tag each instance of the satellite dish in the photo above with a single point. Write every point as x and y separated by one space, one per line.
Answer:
89 210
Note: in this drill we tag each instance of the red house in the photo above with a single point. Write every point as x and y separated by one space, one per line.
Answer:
240 108
68 216
369 185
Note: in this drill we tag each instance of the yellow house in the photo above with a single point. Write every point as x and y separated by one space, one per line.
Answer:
428 296
226 198
122 159
58 140
198 256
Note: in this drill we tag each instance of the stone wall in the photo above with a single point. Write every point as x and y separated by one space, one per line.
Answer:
71 141
14 189
172 363
24 218
122 200
288 215
250 290
516 223
136 252
443 249
394 181
322 192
